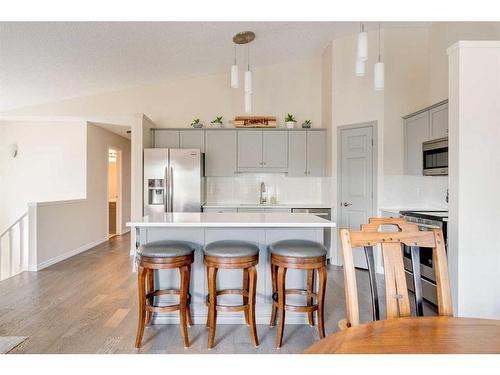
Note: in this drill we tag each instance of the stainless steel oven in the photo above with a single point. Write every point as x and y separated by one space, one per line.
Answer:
435 157
426 221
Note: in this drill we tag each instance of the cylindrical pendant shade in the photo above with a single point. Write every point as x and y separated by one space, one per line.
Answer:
248 81
362 54
378 76
360 68
248 102
234 77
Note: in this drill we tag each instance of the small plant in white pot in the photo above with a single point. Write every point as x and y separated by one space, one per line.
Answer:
306 124
196 123
290 121
217 123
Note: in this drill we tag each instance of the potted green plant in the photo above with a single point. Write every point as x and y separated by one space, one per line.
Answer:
217 123
306 124
290 121
196 123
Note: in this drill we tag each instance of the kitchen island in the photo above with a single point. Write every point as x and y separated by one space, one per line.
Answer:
205 227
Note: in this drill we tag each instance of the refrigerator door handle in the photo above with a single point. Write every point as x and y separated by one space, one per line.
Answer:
171 189
167 190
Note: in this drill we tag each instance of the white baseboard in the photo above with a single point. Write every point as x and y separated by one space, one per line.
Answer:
67 255
227 319
125 230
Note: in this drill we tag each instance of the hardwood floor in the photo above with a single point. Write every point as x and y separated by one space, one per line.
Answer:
88 304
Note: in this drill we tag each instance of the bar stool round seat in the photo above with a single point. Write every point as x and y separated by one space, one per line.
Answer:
304 255
166 249
298 249
231 249
231 254
164 255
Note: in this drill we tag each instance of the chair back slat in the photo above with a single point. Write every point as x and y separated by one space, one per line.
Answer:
396 292
397 298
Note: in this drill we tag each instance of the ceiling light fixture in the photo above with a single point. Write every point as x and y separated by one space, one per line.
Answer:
378 69
362 53
360 68
234 72
246 37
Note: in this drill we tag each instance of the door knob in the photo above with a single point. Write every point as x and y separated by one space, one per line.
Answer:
347 204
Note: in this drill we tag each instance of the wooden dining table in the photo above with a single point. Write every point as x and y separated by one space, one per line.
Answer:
422 335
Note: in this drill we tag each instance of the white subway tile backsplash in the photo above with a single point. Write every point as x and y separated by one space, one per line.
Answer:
246 188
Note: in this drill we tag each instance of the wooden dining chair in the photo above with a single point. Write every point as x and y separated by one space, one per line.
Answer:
396 291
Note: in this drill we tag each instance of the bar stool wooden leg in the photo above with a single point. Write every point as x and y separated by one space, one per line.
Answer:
150 289
281 305
212 292
207 325
321 301
141 287
188 308
251 308
275 290
310 289
183 305
245 287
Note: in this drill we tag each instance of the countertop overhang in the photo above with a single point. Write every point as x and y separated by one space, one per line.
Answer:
233 219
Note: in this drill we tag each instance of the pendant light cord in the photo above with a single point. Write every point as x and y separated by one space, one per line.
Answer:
234 53
248 46
379 42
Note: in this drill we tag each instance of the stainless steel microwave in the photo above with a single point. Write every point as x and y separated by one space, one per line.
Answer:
435 157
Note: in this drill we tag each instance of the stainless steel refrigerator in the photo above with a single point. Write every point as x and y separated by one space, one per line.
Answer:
173 180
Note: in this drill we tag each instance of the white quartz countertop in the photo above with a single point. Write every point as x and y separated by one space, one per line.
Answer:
256 205
233 219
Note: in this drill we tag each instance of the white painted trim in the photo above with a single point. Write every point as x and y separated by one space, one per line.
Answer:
67 255
56 203
228 318
473 44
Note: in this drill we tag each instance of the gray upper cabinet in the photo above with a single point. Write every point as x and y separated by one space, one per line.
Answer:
306 153
416 132
438 121
192 139
220 153
166 138
275 150
316 151
262 151
249 149
425 125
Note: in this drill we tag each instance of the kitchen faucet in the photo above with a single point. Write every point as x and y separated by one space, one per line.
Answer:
263 189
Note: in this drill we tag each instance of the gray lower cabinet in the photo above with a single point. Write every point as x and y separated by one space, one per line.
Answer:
219 210
220 153
416 132
306 153
438 121
192 139
166 138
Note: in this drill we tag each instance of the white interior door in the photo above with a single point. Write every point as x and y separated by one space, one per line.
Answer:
356 195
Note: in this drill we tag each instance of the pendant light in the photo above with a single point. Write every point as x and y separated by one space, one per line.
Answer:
378 69
234 72
360 68
246 37
362 53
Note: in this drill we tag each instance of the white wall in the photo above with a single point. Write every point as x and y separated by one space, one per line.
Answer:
51 165
474 226
288 87
64 228
441 36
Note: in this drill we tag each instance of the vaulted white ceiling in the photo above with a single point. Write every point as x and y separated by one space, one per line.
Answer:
43 62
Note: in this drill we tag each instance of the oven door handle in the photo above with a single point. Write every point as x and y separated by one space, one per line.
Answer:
428 226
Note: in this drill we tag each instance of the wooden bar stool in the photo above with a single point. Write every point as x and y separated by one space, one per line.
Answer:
299 255
232 255
164 255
